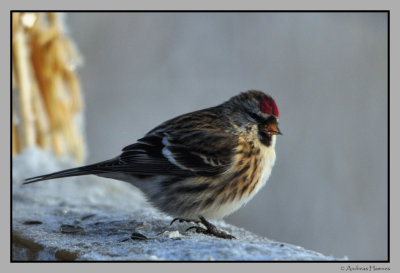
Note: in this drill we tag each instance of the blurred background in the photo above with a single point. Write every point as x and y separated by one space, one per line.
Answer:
326 71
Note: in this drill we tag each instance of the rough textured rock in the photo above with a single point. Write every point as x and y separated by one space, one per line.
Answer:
89 218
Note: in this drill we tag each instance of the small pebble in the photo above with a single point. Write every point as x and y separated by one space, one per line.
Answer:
173 234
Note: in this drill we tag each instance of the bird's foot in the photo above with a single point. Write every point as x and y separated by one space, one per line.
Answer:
210 229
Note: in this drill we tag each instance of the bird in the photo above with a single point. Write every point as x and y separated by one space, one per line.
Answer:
201 165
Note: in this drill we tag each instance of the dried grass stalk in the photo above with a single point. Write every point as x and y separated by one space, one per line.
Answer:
49 92
21 62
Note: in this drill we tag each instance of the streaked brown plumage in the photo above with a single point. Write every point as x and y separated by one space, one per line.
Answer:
205 163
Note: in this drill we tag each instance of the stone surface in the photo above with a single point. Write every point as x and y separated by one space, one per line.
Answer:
90 218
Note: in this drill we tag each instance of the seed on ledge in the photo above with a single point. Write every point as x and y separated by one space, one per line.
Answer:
71 229
138 236
32 222
87 216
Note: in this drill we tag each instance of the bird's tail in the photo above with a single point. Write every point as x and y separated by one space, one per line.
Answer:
96 168
66 173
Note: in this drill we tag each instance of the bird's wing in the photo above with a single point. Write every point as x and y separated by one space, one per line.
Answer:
184 153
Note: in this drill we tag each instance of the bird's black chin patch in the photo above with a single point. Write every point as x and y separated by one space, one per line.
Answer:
264 138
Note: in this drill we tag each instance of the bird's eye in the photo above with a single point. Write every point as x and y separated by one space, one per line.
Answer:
256 117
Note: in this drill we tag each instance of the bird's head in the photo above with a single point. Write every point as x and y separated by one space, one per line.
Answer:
256 107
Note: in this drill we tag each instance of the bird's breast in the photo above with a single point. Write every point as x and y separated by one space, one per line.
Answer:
251 169
260 163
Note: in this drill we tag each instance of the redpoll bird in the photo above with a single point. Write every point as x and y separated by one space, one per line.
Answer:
204 164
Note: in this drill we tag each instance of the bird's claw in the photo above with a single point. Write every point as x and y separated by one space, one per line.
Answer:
213 232
210 229
197 229
184 220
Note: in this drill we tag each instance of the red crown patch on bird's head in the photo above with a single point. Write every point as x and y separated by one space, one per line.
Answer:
268 106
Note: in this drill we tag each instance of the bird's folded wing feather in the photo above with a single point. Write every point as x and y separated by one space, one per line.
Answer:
185 153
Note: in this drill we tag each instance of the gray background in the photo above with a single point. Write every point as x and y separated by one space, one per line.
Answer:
327 73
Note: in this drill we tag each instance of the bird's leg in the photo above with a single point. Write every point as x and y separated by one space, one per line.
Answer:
210 229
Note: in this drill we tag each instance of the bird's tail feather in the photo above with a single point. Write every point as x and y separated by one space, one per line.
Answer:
84 170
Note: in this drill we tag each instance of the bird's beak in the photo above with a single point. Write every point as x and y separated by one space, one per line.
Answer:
272 129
